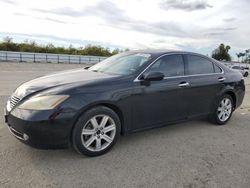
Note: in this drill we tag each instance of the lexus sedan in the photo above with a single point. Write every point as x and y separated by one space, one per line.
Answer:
129 92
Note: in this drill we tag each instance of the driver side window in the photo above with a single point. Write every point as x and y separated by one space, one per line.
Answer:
169 65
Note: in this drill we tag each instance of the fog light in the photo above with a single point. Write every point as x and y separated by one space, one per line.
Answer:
8 107
25 137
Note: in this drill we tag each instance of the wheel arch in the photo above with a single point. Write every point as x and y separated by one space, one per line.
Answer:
226 91
118 111
233 95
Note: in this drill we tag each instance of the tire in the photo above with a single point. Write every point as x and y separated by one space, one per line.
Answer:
96 131
246 74
223 110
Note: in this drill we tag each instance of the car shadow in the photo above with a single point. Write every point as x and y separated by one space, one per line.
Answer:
123 141
131 151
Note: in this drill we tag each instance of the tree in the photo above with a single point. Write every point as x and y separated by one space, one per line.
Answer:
247 55
8 44
31 46
222 53
7 40
242 55
116 51
238 55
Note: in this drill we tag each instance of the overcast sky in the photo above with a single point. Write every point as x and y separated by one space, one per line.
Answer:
191 25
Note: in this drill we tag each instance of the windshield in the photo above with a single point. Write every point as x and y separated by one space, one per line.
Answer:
122 64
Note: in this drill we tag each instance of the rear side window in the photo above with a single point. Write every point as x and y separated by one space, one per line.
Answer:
217 69
199 65
169 65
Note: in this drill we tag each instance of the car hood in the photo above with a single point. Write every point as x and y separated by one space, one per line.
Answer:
57 79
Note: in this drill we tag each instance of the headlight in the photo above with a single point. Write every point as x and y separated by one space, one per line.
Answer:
43 102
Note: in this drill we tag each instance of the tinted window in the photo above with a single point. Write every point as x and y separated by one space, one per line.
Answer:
199 65
236 67
217 69
169 65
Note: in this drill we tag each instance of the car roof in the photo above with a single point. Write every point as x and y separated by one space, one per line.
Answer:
159 52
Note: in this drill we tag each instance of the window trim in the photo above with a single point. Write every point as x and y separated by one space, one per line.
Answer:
215 65
185 64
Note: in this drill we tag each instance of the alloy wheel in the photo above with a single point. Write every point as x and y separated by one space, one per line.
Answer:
224 109
98 133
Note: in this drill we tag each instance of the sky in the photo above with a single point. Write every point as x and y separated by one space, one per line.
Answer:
190 25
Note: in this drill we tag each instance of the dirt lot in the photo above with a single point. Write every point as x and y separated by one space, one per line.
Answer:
191 154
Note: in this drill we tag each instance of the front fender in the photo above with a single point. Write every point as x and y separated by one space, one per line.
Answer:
118 102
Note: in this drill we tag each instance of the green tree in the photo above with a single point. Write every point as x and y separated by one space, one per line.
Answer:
116 51
222 53
31 46
8 44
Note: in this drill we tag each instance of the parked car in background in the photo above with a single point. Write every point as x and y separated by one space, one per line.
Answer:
126 93
244 70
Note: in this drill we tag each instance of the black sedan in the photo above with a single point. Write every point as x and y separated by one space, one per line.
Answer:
132 91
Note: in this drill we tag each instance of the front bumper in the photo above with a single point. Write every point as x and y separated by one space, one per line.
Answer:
40 129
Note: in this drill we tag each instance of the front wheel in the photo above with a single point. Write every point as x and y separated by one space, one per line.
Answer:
96 131
223 110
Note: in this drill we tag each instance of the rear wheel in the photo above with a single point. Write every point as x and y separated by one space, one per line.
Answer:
96 131
223 110
246 74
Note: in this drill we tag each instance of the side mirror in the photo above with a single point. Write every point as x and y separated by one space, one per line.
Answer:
153 76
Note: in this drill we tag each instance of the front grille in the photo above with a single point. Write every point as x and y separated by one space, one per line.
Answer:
13 101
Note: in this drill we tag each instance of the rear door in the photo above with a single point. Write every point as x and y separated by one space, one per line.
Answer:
206 81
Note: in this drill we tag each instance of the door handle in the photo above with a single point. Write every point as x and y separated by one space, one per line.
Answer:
221 79
183 84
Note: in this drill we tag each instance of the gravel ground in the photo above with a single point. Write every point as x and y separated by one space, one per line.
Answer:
192 154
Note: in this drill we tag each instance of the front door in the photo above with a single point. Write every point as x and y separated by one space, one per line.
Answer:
162 101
